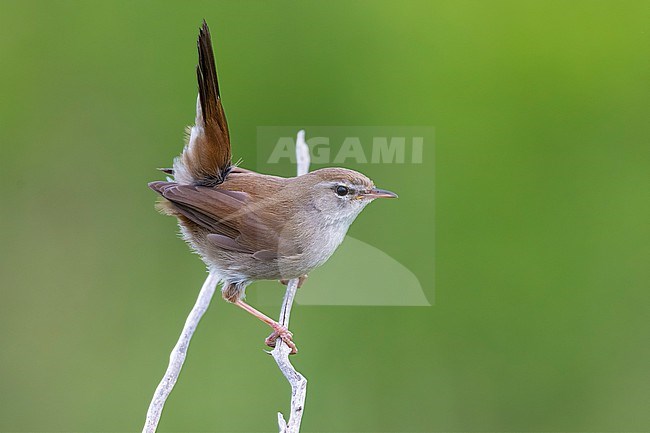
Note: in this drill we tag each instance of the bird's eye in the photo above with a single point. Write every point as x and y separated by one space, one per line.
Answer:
342 190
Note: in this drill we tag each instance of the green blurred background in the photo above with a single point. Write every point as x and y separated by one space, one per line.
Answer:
541 228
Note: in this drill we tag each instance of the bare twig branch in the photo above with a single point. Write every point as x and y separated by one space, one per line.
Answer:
296 380
302 153
177 357
281 351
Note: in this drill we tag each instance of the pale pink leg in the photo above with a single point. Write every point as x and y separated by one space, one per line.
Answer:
279 331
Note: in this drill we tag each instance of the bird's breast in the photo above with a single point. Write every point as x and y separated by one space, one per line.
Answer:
316 245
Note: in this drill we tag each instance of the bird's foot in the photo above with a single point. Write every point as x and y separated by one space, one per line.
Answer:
301 280
282 332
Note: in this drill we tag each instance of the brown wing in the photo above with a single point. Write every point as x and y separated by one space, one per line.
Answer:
207 156
234 220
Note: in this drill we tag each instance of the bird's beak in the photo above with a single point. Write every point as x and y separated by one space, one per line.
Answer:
379 193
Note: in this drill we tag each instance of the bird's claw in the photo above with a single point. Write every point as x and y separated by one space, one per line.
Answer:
282 332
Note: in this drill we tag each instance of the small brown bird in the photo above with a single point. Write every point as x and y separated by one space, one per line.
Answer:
248 226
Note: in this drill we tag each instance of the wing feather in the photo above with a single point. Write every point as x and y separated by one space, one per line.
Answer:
233 222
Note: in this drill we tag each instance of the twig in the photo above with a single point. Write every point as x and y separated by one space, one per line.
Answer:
177 357
296 380
281 351
302 154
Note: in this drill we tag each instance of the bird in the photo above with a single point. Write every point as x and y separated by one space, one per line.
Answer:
247 226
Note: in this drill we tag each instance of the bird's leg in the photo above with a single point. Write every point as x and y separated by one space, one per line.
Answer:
279 331
301 281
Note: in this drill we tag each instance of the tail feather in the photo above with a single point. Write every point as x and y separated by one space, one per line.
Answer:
206 159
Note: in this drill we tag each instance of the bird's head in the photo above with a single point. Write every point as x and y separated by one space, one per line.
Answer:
340 194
